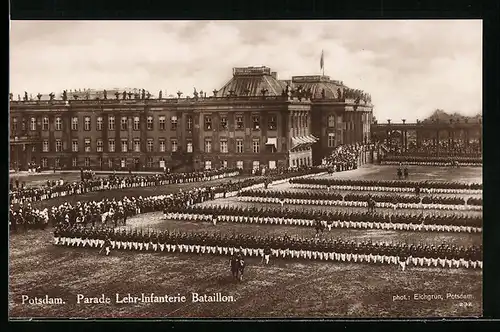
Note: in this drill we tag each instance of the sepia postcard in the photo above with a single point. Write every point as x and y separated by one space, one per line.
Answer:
245 169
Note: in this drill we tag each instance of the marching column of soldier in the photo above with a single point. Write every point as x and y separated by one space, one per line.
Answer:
285 247
446 222
379 185
405 201
58 188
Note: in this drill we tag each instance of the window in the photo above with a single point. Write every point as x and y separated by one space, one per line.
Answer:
189 147
162 122
74 123
223 145
45 146
14 124
208 122
208 145
189 120
74 162
111 123
331 121
99 160
137 145
111 145
255 165
123 163
23 125
162 162
223 122
45 124
173 141
208 164
87 162
149 145
58 123
86 123
173 122
137 123
162 144
99 123
57 163
239 145
124 145
239 122
87 145
331 140
33 124
239 164
271 123
110 163
150 123
124 123
149 162
74 145
256 122
256 145
58 145
224 163
99 145
44 162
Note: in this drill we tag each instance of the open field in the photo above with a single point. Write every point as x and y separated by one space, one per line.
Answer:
285 288
417 173
282 289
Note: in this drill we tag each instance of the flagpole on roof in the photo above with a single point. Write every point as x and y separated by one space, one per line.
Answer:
322 62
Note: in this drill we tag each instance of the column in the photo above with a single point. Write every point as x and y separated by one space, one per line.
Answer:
402 140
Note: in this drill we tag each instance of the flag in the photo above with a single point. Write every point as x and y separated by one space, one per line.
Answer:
321 61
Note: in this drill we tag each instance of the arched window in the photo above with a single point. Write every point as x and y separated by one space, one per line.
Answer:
331 121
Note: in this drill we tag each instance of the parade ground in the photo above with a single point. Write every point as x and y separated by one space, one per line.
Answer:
284 288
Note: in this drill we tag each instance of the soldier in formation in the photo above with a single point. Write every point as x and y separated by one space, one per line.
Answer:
284 247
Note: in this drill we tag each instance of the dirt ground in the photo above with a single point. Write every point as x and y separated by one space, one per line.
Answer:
282 289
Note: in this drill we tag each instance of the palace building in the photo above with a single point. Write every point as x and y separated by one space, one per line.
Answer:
254 121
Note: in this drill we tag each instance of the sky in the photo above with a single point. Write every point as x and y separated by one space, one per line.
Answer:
410 67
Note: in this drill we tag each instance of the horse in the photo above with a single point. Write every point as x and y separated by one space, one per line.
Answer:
106 217
237 267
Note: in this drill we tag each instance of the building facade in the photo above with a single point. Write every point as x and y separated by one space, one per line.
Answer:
253 121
